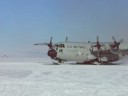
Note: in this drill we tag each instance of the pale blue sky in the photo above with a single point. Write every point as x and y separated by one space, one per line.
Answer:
24 22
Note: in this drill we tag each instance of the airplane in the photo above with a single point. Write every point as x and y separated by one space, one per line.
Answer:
87 52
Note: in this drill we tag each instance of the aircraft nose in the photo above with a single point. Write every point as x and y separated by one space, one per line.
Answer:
52 53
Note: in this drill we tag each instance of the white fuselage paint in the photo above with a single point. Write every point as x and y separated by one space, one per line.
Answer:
80 51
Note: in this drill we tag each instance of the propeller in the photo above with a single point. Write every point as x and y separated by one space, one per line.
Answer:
51 52
50 43
66 39
116 44
98 44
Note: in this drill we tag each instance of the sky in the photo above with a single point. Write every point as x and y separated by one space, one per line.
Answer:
25 22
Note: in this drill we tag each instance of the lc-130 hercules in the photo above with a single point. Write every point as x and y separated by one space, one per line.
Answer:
87 52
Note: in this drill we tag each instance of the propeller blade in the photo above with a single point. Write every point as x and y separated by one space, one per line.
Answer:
122 40
51 40
113 38
116 44
41 44
66 39
98 39
50 43
98 43
98 53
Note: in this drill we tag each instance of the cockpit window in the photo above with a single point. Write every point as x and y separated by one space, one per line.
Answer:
60 50
61 46
57 45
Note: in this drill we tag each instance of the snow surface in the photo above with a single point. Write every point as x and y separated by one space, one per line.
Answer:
41 78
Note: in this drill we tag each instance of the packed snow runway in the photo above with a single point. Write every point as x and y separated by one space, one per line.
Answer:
43 79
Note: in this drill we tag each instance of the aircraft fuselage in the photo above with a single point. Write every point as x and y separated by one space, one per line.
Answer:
86 52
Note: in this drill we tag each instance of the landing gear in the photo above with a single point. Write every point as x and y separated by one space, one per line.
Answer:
60 61
57 61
